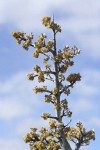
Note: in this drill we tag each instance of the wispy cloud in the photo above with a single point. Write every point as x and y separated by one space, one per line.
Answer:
24 126
95 121
83 106
17 98
14 100
89 85
10 109
12 145
75 16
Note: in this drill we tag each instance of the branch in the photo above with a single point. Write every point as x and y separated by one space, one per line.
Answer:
53 117
67 87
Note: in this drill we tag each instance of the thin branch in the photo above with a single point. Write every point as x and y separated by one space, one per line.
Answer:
53 117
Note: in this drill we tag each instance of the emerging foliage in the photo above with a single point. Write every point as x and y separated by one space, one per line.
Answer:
59 133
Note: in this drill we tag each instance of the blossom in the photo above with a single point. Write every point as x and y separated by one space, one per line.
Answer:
50 44
45 116
52 124
54 91
40 89
41 77
73 77
48 98
37 68
30 76
46 21
56 105
63 68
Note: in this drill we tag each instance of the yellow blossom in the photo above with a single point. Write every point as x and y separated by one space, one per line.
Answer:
46 21
36 68
46 116
41 77
56 105
52 124
63 68
30 76
47 66
40 89
26 44
54 91
48 98
50 44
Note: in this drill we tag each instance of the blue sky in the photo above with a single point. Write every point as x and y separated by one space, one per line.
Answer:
20 108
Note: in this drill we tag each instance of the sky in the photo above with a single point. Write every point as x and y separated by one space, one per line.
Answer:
20 108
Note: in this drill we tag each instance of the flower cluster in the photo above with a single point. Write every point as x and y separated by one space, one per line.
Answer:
30 76
64 104
66 90
79 135
30 136
36 53
40 89
37 68
63 68
45 116
57 105
56 125
72 78
41 77
48 98
65 109
69 113
49 44
71 51
46 140
20 36
54 91
46 21
59 57
42 37
52 124
40 46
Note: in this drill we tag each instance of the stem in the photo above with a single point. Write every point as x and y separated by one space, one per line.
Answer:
64 143
57 79
77 146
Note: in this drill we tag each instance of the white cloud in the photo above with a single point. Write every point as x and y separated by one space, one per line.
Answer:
89 85
12 145
27 14
10 109
24 126
95 121
91 76
81 18
83 105
86 89
16 97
